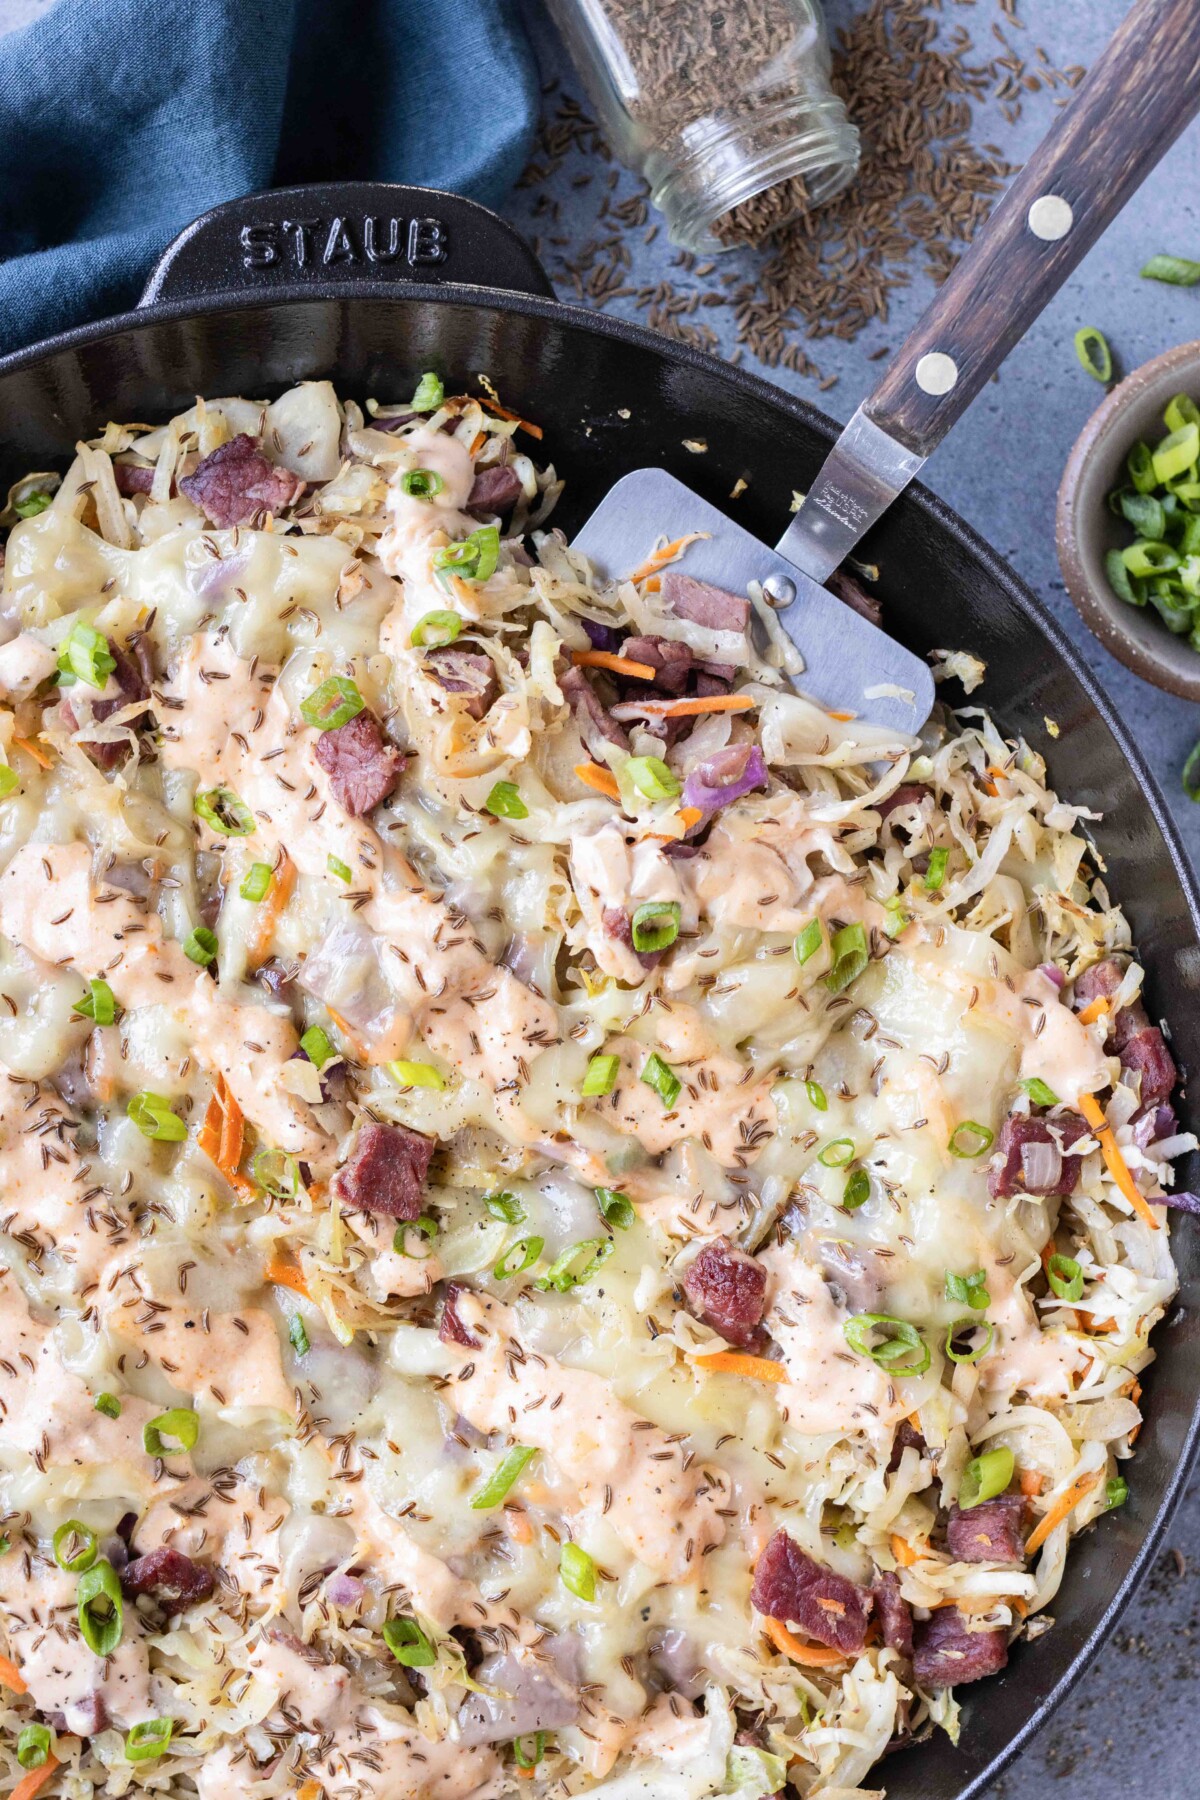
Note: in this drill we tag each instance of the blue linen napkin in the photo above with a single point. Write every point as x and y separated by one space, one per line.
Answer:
121 120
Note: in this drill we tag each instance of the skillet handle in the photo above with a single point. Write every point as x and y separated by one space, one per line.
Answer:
343 231
1137 99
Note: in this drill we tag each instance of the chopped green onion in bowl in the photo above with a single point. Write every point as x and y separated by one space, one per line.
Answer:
1160 568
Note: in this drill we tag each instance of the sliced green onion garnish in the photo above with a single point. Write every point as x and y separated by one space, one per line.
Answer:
984 1477
600 1077
968 1290
152 1115
277 1174
577 1571
1140 464
316 1046
1177 271
298 1336
200 946
808 941
1065 1277
505 802
506 1207
816 1096
99 1607
837 1154
502 1477
857 1191
518 1257
337 867
335 702
935 874
179 1423
1181 410
529 1759
1177 453
1038 1092
74 1547
148 1739
567 1271
408 1644
655 924
1120 580
425 1225
1091 347
616 1209
1146 558
224 812
33 1745
475 558
1116 1491
436 629
651 777
415 1074
84 655
970 1139
894 1344
662 1078
32 504
429 395
10 781
98 1003
897 918
421 484
109 1405
848 949
959 1329
256 882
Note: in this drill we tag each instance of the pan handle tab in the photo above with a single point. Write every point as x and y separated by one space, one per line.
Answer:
1123 119
342 232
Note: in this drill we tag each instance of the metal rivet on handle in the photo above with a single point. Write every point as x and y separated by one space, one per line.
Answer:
936 372
1050 218
779 591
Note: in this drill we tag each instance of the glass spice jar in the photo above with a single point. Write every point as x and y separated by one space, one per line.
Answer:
725 106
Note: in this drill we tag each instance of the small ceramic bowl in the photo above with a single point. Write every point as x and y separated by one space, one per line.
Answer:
1086 529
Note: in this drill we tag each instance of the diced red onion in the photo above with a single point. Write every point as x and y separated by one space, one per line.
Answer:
602 637
1183 1201
1157 1122
1041 1166
726 775
1053 973
344 1590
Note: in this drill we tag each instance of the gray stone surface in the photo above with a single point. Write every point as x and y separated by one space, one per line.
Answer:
1134 1722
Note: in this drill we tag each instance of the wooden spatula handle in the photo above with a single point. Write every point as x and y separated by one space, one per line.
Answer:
1131 108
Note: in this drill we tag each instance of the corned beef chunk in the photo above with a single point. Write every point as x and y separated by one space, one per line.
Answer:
173 1579
727 1289
362 766
451 1329
948 1654
469 673
895 1614
703 604
235 483
1050 1171
386 1172
852 594
994 1531
494 490
789 1585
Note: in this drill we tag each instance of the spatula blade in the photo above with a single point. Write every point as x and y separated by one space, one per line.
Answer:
850 665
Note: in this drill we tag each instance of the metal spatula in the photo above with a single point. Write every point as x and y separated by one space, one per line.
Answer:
1136 101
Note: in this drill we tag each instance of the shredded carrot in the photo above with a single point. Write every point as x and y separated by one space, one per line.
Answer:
524 1774
735 1362
222 1136
658 559
809 1656
1117 1167
654 584
10 1675
31 749
1095 1009
603 780
844 717
519 1528
37 1778
268 911
903 1551
502 412
310 1791
1020 1606
701 703
689 816
1031 1483
620 665
1060 1509
477 443
285 1274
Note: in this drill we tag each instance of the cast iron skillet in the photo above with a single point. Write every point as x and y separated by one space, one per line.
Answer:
368 284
